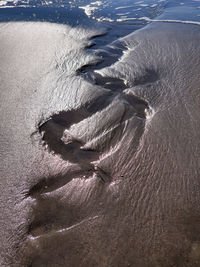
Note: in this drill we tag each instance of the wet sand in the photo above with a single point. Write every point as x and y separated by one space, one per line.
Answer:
99 147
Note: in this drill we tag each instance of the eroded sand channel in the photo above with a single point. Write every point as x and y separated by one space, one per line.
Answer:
99 167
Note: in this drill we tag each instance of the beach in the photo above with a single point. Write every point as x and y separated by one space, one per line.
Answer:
100 144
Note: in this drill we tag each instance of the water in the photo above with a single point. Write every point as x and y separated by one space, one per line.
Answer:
110 14
118 18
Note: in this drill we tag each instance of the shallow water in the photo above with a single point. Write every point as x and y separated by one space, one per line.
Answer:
99 133
117 17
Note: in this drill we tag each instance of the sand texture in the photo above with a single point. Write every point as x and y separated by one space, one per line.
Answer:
99 155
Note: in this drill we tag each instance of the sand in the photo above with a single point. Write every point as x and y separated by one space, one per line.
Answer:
99 163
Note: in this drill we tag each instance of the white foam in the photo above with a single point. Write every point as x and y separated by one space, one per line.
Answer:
97 3
91 8
139 2
13 3
144 5
3 3
122 7
105 19
161 20
13 6
123 14
154 5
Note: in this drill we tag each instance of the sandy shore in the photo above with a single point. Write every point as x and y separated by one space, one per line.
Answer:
99 148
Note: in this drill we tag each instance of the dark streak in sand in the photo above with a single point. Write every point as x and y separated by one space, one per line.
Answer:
56 137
